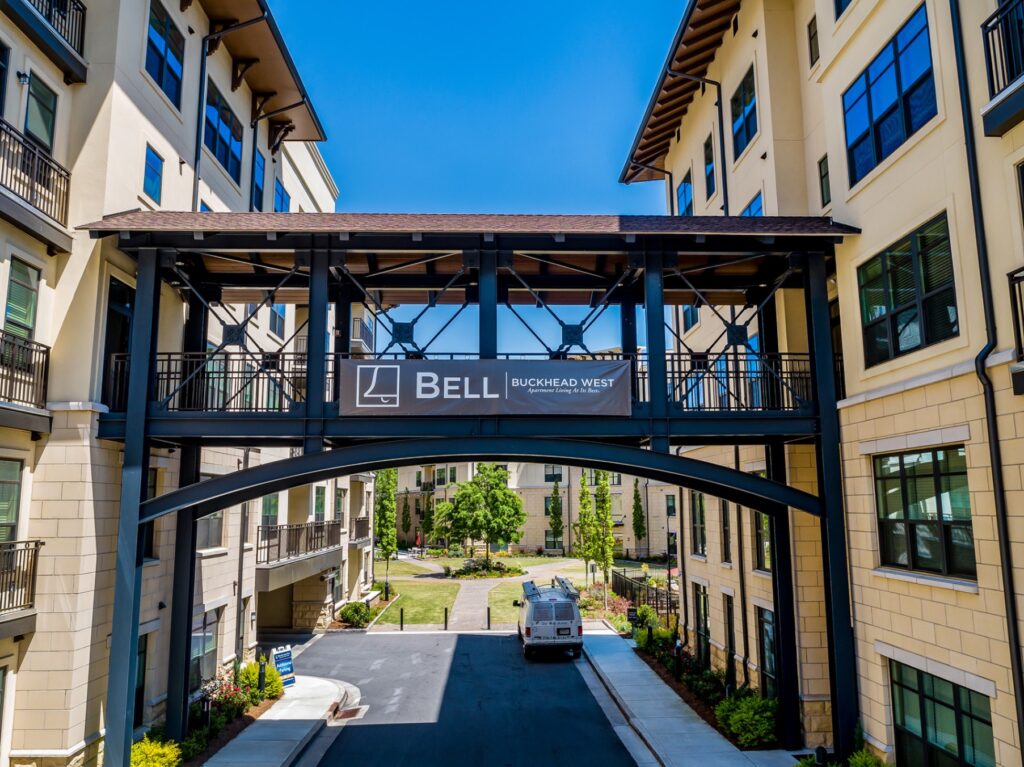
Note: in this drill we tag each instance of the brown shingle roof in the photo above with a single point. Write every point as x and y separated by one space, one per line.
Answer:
458 223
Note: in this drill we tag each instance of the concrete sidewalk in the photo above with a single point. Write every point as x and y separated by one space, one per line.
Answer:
278 737
672 730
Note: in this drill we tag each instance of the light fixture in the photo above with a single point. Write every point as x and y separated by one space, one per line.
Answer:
23 78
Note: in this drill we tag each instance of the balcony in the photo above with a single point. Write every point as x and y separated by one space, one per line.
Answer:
24 369
18 565
35 178
289 553
1016 284
1003 34
359 533
362 332
57 27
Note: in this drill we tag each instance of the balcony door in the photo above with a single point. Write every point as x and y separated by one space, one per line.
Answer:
10 499
120 304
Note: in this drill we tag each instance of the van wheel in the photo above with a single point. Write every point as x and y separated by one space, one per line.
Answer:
577 652
527 652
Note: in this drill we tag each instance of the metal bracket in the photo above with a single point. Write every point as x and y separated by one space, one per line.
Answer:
736 334
233 335
402 332
572 335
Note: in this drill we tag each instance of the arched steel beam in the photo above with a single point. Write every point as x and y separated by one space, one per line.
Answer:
240 486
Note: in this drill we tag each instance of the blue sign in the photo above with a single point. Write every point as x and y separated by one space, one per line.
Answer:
283 664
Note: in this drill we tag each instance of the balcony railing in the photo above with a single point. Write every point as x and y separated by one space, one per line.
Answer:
24 369
279 543
362 331
1003 32
67 17
360 530
1016 279
31 174
18 561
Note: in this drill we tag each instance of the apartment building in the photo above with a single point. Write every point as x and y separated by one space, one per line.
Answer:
902 119
108 106
534 483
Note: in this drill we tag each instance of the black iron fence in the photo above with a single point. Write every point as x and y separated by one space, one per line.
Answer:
31 174
24 369
635 586
18 565
278 543
360 529
1003 33
67 17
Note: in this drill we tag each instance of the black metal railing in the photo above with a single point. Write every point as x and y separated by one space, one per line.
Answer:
362 331
1003 33
636 588
67 17
1016 279
279 543
726 381
360 529
30 173
24 370
18 565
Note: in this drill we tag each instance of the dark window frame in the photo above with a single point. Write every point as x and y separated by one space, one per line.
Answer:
709 167
766 652
223 132
49 112
169 39
282 200
15 326
691 316
824 182
698 524
813 47
750 211
153 173
684 195
552 472
277 319
725 520
259 181
670 505
11 525
763 555
701 626
743 105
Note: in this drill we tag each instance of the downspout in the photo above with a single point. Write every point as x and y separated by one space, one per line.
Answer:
743 579
684 597
240 600
668 178
721 128
980 368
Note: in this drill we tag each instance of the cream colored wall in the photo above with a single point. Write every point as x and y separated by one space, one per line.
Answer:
306 178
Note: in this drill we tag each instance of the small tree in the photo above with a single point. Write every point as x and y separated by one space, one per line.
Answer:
555 513
384 516
485 509
583 528
639 520
406 518
443 523
603 547
428 518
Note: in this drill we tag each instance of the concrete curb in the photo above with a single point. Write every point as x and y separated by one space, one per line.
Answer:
626 712
340 701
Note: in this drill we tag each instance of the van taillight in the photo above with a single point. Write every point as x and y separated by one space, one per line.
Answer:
579 630
528 630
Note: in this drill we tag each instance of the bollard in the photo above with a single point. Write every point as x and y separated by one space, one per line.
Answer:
401 619
820 755
262 684
387 591
207 711
650 635
488 618
446 619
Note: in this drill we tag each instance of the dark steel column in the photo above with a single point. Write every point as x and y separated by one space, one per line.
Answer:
316 354
183 589
488 305
841 643
342 335
124 635
627 322
657 374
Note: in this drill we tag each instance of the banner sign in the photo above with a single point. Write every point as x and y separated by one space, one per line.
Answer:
485 387
283 664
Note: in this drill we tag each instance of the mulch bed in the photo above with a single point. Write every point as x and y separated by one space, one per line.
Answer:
230 732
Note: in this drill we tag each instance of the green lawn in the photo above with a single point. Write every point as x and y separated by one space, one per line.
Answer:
499 599
423 601
399 567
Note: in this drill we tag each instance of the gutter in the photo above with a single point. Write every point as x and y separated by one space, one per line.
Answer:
980 368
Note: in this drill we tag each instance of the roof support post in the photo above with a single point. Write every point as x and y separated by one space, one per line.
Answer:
342 335
316 350
182 592
657 372
841 642
488 304
124 639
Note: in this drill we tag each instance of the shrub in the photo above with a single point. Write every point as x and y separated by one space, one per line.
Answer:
708 686
750 719
646 616
194 744
435 552
620 623
864 758
808 761
455 551
355 614
155 753
249 681
481 568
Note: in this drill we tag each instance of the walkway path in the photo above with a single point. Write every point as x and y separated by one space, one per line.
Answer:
670 728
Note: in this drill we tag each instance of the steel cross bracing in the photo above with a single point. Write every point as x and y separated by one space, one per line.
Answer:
765 397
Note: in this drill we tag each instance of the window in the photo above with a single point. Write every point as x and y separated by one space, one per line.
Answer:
709 167
419 478
691 316
417 508
670 505
204 207
5 62
153 176
552 473
702 626
222 133
440 476
744 114
924 511
282 200
548 500
22 299
140 681
812 40
268 514
841 5
698 528
938 722
891 99
149 528
729 615
210 530
203 656
451 475
726 522
824 185
684 196
340 500
277 319
259 172
766 651
763 541
754 207
165 52
613 478
40 113
319 503
907 295
10 499
550 541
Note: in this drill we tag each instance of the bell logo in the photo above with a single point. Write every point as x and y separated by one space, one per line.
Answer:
377 385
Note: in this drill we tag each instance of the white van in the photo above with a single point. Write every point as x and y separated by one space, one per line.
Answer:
549 617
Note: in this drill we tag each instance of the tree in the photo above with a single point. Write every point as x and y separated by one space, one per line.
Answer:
384 516
406 518
555 513
428 519
639 519
443 525
485 509
603 547
583 529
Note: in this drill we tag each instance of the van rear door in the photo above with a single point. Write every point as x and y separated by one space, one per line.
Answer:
566 621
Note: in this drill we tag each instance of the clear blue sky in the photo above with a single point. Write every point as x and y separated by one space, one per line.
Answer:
475 107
